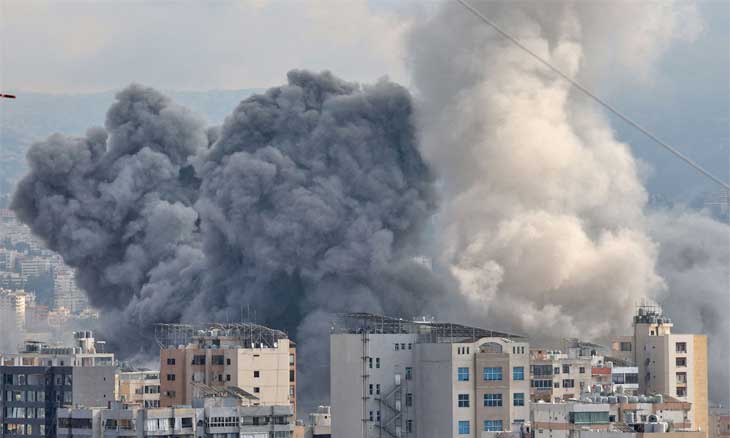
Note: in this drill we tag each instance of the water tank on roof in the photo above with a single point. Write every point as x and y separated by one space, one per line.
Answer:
623 399
661 427
652 418
609 364
604 399
612 399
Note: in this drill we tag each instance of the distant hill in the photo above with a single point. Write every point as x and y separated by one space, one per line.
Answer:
35 116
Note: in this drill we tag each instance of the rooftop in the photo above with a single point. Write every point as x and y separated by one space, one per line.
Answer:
428 331
243 334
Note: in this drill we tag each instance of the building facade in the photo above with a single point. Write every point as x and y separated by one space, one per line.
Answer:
556 376
257 359
42 379
140 387
392 377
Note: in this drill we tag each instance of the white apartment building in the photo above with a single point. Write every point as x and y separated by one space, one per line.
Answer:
140 387
12 307
393 377
671 364
556 376
66 293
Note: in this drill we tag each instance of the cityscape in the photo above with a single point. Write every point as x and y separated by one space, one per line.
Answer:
364 219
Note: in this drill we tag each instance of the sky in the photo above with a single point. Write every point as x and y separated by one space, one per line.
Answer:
67 46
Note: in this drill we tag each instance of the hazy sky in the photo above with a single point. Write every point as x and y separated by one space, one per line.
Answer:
81 46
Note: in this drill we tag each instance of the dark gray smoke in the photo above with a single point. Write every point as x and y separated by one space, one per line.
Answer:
308 200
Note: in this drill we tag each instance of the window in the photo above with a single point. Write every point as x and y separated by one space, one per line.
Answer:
556 370
568 383
377 415
228 377
582 370
170 377
372 417
402 346
256 374
377 389
292 375
377 362
187 422
492 400
370 389
463 400
493 425
199 359
217 359
370 362
681 347
256 390
589 417
409 373
541 384
518 373
625 346
463 428
682 378
518 399
228 360
566 369
556 384
681 362
410 346
542 370
463 374
493 373
397 346
409 399
409 426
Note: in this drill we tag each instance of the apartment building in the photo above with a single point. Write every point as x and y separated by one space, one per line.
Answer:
218 413
12 308
556 376
140 387
671 364
600 418
394 377
41 379
719 422
254 358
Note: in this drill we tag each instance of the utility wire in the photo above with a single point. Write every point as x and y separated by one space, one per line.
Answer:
588 93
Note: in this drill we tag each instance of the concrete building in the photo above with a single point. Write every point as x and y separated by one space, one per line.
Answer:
215 413
671 364
393 377
66 293
140 387
556 376
719 422
41 379
254 358
12 307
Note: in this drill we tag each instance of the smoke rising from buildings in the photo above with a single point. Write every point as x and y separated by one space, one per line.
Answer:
307 201
543 221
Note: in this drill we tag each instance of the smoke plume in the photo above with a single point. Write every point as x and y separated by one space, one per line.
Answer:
307 201
543 221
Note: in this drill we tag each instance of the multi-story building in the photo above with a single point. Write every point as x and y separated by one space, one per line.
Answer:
215 413
671 364
393 377
556 376
12 307
41 379
612 417
66 292
140 387
254 358
719 426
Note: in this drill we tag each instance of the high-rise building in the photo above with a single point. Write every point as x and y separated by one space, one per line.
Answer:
41 379
555 376
66 292
252 357
393 377
140 387
719 424
670 364
12 308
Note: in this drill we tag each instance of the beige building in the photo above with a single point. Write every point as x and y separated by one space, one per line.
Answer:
719 420
671 364
140 387
393 377
254 358
12 307
554 376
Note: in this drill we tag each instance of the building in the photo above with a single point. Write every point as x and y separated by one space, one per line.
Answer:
719 426
215 413
254 358
612 417
671 364
66 293
556 376
394 377
41 379
140 387
319 425
12 307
